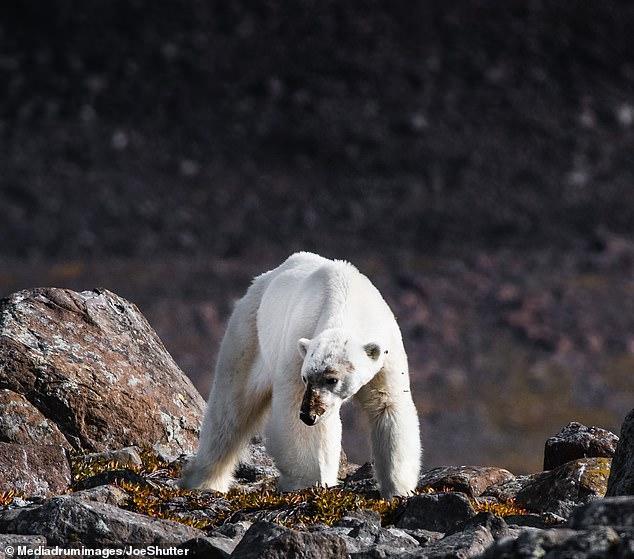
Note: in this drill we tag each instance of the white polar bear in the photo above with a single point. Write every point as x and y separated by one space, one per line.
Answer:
306 337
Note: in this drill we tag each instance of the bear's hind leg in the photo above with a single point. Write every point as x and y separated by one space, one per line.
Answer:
238 402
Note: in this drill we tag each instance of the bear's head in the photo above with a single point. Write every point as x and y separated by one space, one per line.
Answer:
336 365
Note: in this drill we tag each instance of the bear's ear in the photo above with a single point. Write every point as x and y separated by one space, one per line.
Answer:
372 350
302 345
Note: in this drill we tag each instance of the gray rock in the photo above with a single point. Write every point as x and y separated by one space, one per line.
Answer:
438 512
558 543
265 540
124 457
66 519
508 490
15 540
109 494
471 542
496 525
256 464
472 480
617 512
576 441
621 481
560 490
423 537
362 480
93 366
209 547
34 469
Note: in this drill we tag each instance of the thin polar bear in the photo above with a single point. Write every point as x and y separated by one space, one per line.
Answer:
306 337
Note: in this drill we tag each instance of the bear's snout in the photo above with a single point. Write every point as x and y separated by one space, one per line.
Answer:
312 407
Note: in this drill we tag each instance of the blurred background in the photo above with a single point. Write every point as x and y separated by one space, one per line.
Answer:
474 159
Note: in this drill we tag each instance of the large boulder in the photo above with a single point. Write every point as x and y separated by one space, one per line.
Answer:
621 480
439 512
34 470
576 441
265 540
617 512
66 519
560 490
93 370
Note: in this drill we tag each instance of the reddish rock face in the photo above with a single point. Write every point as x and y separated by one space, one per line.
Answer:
34 470
94 372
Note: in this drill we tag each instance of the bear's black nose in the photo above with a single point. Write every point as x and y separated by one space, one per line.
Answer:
307 418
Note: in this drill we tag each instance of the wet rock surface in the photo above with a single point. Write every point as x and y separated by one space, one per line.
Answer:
578 441
93 366
621 480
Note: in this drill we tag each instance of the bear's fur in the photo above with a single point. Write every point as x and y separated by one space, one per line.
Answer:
307 336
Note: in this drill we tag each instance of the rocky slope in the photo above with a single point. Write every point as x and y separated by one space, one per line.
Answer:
54 492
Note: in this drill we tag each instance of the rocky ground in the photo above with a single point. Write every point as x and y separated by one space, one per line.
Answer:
86 460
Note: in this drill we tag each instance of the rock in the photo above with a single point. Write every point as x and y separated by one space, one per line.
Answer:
576 441
256 463
124 457
472 480
557 543
361 531
33 469
93 366
423 537
507 490
621 481
265 540
15 540
496 525
208 548
562 489
533 520
440 512
472 542
67 519
362 480
21 422
111 476
109 494
612 511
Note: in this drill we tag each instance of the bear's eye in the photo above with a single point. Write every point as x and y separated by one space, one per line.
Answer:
332 381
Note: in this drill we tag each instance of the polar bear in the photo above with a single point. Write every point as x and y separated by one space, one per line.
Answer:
305 338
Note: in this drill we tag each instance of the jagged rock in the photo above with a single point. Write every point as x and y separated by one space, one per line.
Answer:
496 525
361 531
600 543
125 457
67 519
21 422
91 364
507 490
472 480
265 540
15 540
562 489
621 481
362 480
256 464
423 537
471 542
209 547
33 469
611 511
109 494
439 512
576 441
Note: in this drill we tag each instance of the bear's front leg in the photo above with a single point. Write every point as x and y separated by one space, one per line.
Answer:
395 437
305 455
